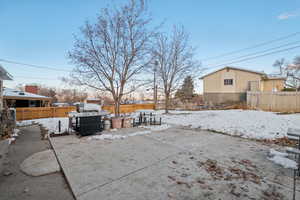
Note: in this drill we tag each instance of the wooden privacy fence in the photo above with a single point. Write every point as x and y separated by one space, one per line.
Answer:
42 112
49 112
274 101
129 108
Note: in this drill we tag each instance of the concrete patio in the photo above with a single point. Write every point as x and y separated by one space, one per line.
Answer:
175 163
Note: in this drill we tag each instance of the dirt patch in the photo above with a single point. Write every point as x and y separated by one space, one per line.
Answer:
231 173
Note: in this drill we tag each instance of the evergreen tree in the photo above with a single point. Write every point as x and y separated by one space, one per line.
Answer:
186 92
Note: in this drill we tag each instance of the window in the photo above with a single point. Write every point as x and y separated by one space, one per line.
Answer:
228 81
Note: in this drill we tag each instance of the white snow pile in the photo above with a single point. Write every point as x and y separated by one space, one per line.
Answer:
280 159
114 137
157 127
139 133
50 123
16 133
106 137
244 123
11 140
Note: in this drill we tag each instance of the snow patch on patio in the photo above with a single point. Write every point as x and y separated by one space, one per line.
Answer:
11 140
16 133
157 127
106 137
280 159
116 137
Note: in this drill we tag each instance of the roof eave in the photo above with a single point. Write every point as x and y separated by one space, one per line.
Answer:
6 77
235 68
26 98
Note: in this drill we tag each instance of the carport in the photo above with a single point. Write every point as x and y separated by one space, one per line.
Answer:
17 99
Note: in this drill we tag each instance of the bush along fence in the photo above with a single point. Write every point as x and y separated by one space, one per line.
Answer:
50 112
274 101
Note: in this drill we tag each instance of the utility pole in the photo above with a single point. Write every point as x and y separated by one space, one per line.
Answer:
154 83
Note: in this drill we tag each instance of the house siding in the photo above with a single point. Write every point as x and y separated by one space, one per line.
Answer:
214 83
219 98
243 78
216 92
271 85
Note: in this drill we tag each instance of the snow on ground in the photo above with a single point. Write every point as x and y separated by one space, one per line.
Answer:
114 137
280 159
16 133
50 123
157 127
244 123
11 140
273 153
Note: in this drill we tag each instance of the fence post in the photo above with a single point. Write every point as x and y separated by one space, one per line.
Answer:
59 126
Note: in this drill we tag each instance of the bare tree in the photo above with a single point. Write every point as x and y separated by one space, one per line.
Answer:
280 65
290 71
114 50
293 73
297 61
71 95
48 92
175 58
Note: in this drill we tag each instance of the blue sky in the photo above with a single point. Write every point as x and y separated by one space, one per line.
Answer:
40 32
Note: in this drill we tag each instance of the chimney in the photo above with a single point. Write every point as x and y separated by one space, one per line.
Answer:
31 89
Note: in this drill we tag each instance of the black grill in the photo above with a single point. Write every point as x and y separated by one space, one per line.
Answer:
89 125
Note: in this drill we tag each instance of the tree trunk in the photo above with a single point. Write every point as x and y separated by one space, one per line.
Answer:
167 103
117 108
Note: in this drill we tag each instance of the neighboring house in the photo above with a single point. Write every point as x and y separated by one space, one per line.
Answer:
93 101
58 104
16 98
4 75
230 84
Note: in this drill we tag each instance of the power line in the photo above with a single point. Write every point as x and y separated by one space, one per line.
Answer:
34 66
38 78
258 56
258 52
252 47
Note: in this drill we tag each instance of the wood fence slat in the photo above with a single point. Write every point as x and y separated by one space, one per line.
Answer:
274 101
129 108
49 112
42 112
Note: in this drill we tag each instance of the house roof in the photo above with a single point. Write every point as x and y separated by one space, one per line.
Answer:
92 99
275 77
17 94
235 68
4 75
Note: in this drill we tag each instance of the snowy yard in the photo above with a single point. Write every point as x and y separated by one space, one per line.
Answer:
243 123
50 123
